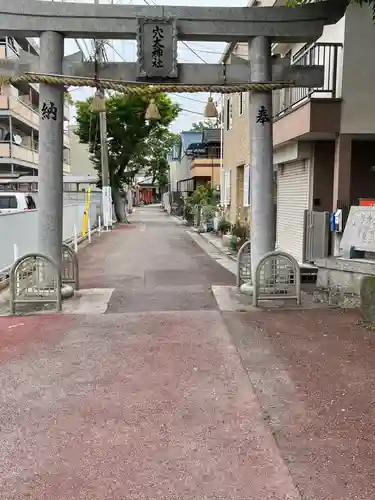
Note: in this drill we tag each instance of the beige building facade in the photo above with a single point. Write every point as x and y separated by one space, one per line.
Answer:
324 139
80 163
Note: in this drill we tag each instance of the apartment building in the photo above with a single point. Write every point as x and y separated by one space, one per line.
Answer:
197 160
19 119
324 138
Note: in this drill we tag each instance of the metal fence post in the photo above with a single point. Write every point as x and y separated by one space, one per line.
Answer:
88 225
240 264
28 278
284 281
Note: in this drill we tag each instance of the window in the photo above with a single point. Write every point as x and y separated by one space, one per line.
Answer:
240 103
228 113
12 44
7 202
11 47
30 203
227 186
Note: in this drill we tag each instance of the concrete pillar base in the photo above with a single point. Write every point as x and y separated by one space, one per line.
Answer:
247 289
67 292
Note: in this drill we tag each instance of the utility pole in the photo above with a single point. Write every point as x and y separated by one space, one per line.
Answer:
106 185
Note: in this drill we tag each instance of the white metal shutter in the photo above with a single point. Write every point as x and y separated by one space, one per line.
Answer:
292 201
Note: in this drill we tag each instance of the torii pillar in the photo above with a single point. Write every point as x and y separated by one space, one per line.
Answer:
51 144
263 219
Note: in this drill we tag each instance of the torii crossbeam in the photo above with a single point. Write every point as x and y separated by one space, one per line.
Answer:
224 24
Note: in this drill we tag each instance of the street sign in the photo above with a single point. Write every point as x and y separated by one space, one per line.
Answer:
157 49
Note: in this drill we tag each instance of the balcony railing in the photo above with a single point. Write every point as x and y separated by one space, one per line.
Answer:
24 111
66 139
328 55
27 113
20 109
26 154
210 152
4 150
8 150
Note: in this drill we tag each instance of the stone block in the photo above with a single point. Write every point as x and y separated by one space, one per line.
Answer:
367 294
359 232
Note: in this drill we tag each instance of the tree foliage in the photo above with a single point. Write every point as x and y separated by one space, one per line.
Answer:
203 195
204 125
151 156
129 135
68 98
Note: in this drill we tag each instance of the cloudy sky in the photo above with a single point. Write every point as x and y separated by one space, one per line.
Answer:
192 52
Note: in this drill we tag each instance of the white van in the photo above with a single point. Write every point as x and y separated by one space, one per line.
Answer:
11 201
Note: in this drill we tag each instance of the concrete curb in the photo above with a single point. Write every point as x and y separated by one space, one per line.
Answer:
218 245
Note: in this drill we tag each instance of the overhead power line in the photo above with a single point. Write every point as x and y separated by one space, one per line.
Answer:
110 44
184 110
217 52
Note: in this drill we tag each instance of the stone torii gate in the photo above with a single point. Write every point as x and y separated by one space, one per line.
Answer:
259 27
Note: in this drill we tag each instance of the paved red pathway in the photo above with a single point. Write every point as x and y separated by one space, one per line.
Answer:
314 374
163 397
147 401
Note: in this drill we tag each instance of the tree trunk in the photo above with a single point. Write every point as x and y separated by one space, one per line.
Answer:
119 206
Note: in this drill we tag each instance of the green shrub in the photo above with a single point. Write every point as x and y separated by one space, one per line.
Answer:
233 242
208 213
240 231
224 226
188 212
203 195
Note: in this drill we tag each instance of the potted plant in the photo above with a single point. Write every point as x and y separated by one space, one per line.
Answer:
188 213
233 242
224 228
241 233
208 212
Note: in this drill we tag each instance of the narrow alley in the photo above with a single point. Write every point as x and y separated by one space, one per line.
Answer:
155 394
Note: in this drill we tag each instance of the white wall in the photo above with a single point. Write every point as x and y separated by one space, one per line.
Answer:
21 229
173 175
358 83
